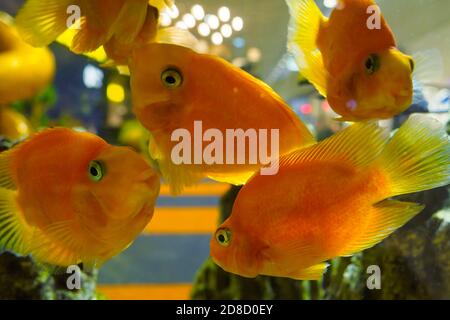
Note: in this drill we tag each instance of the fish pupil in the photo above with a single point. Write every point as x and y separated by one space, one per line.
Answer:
94 171
372 64
221 238
170 80
369 64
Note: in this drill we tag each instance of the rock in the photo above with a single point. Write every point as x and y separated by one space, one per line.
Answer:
22 279
414 264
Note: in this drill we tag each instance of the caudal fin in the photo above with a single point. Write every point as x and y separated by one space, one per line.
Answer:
418 156
306 20
40 22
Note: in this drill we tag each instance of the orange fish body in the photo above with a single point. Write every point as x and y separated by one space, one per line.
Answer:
352 59
207 89
330 200
117 25
70 197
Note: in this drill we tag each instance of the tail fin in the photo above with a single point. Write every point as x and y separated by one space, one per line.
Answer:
40 22
418 156
306 20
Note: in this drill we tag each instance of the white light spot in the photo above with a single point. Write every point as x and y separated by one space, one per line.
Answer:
181 25
189 20
173 12
237 23
165 20
330 3
212 21
224 14
92 77
226 30
203 29
217 38
198 12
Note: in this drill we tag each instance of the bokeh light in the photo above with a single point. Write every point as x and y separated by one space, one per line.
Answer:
226 31
237 23
198 12
203 29
115 93
224 14
217 38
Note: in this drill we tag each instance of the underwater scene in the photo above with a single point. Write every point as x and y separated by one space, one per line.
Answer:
224 150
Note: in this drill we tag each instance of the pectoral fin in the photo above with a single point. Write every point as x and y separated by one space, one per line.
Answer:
13 227
311 273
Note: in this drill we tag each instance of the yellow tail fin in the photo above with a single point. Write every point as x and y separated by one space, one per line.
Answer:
306 20
40 22
130 21
418 156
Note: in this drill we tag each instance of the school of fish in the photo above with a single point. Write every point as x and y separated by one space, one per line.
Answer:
68 197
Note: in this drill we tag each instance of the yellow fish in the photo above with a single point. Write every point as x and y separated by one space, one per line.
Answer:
68 197
24 70
13 125
350 59
180 87
115 26
331 199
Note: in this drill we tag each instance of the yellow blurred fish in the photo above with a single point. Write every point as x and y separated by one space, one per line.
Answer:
68 197
24 70
13 125
113 27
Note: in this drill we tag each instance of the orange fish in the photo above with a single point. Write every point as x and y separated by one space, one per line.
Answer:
181 86
68 197
117 25
331 200
351 58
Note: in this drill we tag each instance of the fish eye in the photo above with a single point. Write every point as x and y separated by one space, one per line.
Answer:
223 237
95 171
372 64
171 78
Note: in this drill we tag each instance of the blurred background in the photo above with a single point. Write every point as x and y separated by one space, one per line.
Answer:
163 262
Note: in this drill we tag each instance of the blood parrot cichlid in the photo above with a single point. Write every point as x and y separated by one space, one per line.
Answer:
351 58
117 25
331 200
181 86
68 197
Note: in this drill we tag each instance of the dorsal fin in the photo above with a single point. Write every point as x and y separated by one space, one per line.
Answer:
360 144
